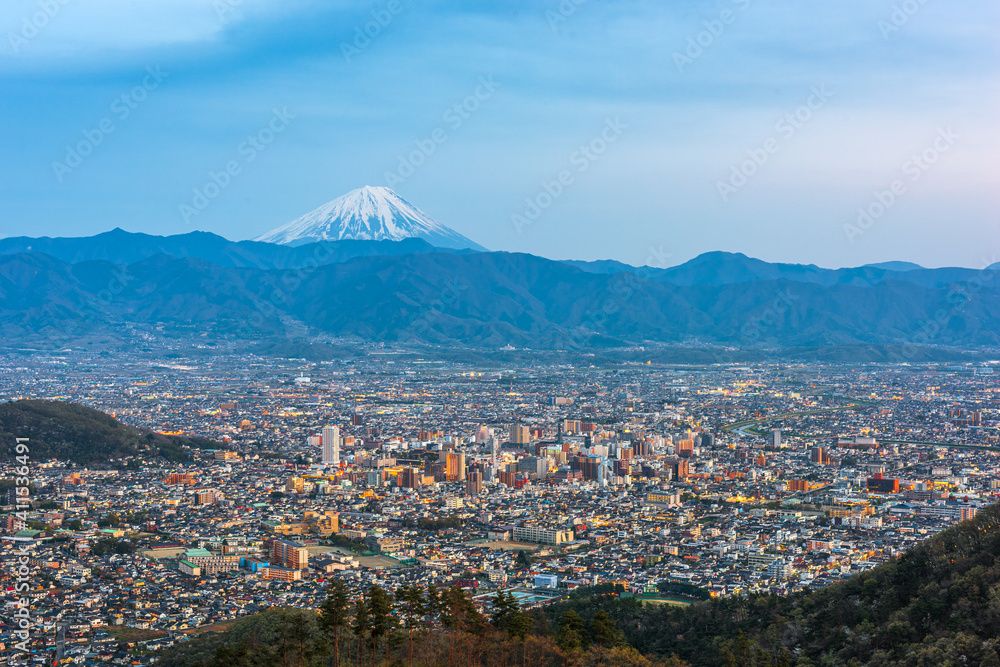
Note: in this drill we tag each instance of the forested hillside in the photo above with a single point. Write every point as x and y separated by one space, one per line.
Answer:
83 435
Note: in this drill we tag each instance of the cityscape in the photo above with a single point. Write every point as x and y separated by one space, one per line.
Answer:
571 333
394 470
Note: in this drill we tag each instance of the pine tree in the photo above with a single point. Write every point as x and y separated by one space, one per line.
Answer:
411 598
380 606
602 632
433 603
362 625
334 615
301 633
570 636
504 607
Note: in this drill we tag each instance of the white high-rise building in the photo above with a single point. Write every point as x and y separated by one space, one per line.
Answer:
331 445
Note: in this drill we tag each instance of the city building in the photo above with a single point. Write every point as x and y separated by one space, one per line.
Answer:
292 555
331 445
539 535
474 483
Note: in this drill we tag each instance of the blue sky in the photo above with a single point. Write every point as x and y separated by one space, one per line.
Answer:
677 128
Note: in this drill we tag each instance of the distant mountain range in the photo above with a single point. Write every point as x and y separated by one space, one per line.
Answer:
368 214
121 247
726 268
54 291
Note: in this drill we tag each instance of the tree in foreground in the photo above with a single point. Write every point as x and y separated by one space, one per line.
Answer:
571 628
504 609
414 607
380 607
361 626
334 615
602 633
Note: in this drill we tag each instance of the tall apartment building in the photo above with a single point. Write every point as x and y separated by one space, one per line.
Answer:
410 478
677 467
453 464
533 465
291 555
474 483
520 435
331 445
819 455
685 447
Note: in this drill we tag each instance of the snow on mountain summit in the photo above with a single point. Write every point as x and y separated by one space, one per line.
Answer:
371 214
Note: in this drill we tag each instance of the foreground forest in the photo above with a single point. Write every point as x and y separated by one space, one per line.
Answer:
938 604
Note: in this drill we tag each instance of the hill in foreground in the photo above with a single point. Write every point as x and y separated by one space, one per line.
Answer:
83 435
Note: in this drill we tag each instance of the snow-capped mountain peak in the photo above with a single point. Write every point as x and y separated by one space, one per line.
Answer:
370 213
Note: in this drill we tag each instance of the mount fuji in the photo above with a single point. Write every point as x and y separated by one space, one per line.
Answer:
367 214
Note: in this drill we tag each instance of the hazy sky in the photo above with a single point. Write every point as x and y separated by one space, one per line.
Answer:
675 127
